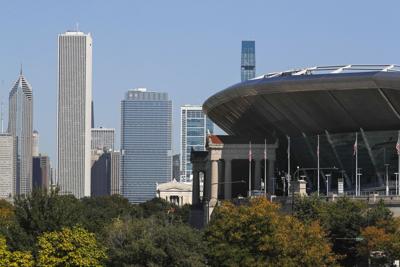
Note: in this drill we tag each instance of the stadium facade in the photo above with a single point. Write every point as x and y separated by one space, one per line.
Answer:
335 103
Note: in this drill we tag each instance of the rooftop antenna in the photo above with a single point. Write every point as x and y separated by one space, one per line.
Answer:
20 69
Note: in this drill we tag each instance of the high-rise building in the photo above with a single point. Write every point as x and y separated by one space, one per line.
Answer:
103 138
74 112
248 65
105 173
7 166
194 128
41 172
20 125
35 143
146 146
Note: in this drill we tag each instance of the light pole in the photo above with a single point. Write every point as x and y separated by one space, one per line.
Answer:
284 185
397 183
359 182
387 179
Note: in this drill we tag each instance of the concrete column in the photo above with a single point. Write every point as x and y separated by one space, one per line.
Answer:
271 168
228 179
196 187
257 175
214 183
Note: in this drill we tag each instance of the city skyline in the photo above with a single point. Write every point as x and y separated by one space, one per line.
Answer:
129 56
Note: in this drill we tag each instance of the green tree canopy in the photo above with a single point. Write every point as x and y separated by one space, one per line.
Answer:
15 258
70 247
257 234
147 242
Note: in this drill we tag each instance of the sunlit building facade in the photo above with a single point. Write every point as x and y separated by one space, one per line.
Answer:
146 143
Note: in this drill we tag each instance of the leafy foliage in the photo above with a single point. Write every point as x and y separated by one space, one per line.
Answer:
148 242
15 258
70 247
257 234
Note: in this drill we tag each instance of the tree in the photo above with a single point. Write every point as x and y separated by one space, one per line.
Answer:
6 214
257 234
42 211
14 259
147 242
99 211
70 247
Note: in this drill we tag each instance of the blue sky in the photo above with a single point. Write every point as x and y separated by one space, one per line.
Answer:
190 49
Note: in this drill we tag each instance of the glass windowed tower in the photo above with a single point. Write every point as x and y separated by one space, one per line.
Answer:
194 128
146 143
248 65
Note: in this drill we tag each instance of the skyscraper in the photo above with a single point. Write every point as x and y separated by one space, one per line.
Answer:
74 112
103 138
194 128
105 174
20 126
146 147
41 172
35 143
7 166
248 65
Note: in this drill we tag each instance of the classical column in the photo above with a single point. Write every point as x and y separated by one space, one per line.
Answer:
214 183
271 167
228 179
257 174
196 187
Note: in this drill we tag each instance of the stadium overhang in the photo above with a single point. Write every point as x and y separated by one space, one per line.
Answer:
310 101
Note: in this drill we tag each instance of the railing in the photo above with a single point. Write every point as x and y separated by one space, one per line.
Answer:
333 70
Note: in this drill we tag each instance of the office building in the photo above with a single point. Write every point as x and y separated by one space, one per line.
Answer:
248 62
105 173
41 172
20 125
7 166
74 112
103 138
35 143
194 128
146 147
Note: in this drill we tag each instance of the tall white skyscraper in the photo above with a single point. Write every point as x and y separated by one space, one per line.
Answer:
20 126
194 127
7 166
74 112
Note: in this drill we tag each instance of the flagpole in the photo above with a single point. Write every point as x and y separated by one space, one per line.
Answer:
357 178
250 169
398 163
265 167
288 175
318 165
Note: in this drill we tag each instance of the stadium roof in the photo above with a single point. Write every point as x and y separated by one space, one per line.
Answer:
310 101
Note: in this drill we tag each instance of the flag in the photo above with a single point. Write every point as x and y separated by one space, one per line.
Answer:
398 145
355 147
250 151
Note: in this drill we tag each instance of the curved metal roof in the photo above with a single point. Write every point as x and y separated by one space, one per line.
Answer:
310 101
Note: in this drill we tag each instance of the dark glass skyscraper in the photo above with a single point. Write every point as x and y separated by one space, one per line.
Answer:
248 65
146 145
